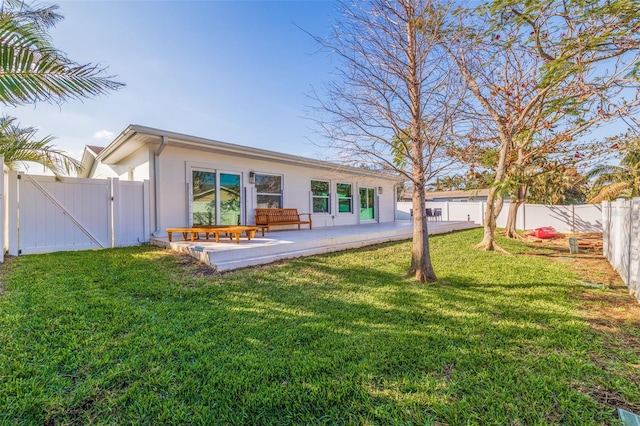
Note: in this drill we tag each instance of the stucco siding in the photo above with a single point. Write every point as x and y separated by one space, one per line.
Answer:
176 164
102 171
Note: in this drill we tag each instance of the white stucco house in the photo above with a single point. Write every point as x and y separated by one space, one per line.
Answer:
198 181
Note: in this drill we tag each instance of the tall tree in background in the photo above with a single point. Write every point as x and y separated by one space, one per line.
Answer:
497 75
591 56
32 69
557 186
394 101
543 73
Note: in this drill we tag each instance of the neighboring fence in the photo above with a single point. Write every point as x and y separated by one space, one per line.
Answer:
45 214
565 219
621 238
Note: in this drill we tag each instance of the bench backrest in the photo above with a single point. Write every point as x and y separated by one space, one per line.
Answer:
265 216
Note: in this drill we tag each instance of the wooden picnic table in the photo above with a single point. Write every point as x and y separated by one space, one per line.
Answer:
195 231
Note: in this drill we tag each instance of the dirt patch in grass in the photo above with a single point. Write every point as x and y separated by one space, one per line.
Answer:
192 267
606 396
589 245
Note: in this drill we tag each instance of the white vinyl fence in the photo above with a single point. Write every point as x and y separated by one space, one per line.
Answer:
45 214
565 219
621 238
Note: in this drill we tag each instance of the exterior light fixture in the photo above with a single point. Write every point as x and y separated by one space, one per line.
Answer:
252 178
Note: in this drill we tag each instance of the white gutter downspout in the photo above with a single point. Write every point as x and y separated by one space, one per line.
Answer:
156 181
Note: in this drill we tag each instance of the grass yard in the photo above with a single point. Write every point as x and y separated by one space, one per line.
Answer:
144 336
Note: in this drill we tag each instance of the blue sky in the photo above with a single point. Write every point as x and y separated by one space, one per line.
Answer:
235 71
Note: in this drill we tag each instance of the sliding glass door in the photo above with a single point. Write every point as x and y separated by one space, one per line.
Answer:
229 199
215 198
203 201
367 204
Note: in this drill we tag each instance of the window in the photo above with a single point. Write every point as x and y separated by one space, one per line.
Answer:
269 191
320 193
344 197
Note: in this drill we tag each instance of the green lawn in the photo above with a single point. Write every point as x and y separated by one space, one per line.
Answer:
141 335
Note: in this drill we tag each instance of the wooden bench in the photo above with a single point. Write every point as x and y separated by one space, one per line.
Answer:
250 232
266 218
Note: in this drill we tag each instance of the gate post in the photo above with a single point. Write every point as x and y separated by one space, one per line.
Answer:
11 237
146 208
3 228
116 226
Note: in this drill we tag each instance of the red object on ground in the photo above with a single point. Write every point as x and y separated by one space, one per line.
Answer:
545 232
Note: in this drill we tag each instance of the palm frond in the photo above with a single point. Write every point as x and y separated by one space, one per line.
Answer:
604 169
31 70
611 192
40 15
19 145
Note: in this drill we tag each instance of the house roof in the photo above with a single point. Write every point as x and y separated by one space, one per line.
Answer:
135 136
458 194
88 158
95 149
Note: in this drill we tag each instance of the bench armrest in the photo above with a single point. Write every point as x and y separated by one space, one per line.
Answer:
305 214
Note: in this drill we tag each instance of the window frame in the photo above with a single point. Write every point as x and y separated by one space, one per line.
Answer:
349 198
326 197
280 194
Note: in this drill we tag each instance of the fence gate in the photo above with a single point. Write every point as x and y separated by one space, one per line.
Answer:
57 215
43 214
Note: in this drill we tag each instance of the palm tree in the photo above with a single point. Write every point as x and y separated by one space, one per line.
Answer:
618 181
32 70
19 145
557 184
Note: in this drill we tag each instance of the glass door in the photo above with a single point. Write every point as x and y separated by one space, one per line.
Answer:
229 199
203 199
367 204
215 198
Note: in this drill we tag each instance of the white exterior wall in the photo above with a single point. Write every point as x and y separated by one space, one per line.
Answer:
102 171
136 164
176 165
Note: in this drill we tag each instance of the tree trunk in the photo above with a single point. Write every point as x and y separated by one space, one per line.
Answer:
517 199
488 240
494 206
421 266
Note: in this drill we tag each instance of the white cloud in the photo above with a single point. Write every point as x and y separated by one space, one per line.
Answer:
103 134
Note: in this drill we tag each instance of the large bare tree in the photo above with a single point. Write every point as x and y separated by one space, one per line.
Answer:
542 74
591 54
394 101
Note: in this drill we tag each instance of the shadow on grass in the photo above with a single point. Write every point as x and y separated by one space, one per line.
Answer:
325 340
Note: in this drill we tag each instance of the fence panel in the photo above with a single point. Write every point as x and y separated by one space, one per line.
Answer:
57 215
131 228
76 214
621 238
468 211
565 219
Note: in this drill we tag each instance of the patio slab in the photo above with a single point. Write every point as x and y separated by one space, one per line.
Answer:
286 244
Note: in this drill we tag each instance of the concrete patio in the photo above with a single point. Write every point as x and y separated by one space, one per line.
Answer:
286 244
